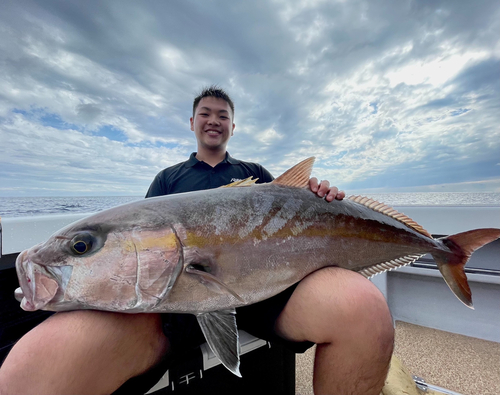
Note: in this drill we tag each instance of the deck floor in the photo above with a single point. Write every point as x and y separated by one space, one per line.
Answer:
459 363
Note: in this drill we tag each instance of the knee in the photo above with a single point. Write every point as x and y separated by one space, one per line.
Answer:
375 320
365 312
342 306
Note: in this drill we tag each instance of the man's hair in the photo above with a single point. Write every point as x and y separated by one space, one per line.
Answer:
213 91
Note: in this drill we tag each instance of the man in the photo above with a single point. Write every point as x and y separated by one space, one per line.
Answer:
96 352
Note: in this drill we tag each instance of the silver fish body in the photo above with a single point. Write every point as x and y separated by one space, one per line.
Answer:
208 252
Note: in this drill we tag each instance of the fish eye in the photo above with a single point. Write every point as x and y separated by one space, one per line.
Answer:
81 244
80 247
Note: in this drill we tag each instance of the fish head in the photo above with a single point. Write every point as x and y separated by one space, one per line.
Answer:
98 266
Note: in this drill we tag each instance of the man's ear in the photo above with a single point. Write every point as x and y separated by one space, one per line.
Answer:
232 131
192 123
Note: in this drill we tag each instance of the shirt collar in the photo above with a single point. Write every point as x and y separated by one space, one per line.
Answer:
192 161
231 160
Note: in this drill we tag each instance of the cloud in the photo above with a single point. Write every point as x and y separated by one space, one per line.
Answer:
96 97
67 160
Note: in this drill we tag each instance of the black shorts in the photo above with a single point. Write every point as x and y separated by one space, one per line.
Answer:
257 319
185 335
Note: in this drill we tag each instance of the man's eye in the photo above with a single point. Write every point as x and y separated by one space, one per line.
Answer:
224 118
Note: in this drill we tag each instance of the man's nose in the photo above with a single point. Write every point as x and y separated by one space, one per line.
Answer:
213 121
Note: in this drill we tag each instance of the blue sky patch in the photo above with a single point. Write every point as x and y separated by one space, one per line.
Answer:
112 133
44 118
374 105
55 121
460 111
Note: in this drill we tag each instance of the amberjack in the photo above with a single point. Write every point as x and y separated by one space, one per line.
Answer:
209 252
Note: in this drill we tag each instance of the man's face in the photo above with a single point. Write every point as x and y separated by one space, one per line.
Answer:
212 123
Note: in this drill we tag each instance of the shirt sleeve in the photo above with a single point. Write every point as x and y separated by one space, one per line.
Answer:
156 188
265 176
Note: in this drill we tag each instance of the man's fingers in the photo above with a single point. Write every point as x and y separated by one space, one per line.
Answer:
313 184
334 193
324 188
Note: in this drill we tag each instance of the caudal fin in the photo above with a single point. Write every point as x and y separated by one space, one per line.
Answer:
452 266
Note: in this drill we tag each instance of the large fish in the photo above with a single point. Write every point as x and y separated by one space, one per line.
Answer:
208 252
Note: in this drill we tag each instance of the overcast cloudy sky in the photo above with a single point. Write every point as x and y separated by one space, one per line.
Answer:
95 96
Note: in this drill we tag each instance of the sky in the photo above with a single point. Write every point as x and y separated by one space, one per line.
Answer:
389 96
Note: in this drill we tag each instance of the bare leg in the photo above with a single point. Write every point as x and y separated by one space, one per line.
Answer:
83 352
348 318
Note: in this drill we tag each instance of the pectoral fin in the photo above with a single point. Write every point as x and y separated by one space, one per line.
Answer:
211 281
221 333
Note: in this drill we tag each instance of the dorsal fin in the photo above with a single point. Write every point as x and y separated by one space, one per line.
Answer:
247 182
298 176
389 211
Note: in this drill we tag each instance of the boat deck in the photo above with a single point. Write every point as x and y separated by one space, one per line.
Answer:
459 363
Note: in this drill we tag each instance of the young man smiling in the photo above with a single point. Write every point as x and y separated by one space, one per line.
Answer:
94 352
337 309
212 125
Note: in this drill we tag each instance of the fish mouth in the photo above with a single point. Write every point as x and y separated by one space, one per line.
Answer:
38 286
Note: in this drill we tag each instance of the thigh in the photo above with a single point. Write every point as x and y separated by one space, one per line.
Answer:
84 352
259 320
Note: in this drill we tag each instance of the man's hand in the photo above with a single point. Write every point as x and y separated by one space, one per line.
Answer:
323 189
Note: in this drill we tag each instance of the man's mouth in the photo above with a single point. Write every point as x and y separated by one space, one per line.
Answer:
212 132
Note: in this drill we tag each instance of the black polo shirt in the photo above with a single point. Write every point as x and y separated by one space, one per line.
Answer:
195 175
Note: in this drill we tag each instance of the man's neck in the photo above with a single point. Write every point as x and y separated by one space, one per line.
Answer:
213 158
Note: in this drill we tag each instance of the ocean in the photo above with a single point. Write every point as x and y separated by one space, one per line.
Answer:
29 206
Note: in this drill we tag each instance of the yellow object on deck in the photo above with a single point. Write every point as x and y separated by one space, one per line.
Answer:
399 381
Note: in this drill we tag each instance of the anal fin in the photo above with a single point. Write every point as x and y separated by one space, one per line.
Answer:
221 333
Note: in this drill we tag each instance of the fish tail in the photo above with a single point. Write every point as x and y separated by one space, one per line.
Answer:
452 265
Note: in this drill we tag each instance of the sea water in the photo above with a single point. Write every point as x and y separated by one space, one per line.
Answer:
28 206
